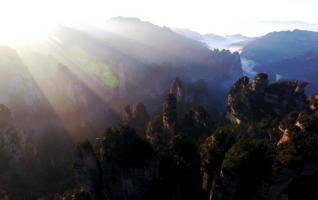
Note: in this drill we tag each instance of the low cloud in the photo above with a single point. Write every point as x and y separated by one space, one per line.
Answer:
291 24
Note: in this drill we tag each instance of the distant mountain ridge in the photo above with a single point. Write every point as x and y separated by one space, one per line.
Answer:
291 54
74 69
281 45
231 42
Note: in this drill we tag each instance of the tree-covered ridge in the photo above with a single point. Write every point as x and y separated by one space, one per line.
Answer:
189 152
263 147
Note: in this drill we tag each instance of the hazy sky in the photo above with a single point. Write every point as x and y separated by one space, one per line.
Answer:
249 17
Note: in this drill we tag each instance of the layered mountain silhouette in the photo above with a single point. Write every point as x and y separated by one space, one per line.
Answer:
290 54
232 42
98 70
134 111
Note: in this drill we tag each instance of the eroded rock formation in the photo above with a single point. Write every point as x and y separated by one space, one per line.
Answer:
252 101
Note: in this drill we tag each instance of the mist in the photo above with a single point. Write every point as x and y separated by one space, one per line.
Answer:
218 102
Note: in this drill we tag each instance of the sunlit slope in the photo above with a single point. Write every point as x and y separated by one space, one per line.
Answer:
87 75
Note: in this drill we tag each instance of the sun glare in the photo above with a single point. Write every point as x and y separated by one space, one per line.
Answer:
16 33
22 21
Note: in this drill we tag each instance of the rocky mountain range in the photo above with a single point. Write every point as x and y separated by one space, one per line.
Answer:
135 111
265 149
285 55
97 71
231 42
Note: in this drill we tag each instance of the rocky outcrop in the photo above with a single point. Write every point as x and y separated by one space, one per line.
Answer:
169 118
260 83
199 117
271 155
307 121
163 127
237 98
297 182
139 112
286 95
255 100
187 108
236 175
154 131
197 123
189 93
136 118
285 137
286 128
127 115
313 102
177 89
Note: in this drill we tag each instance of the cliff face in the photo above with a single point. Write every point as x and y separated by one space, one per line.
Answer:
197 123
169 118
253 101
193 93
164 126
236 99
176 88
137 118
188 108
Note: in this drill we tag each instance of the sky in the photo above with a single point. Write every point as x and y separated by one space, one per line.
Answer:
224 17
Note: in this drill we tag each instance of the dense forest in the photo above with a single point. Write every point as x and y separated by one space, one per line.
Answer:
263 146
